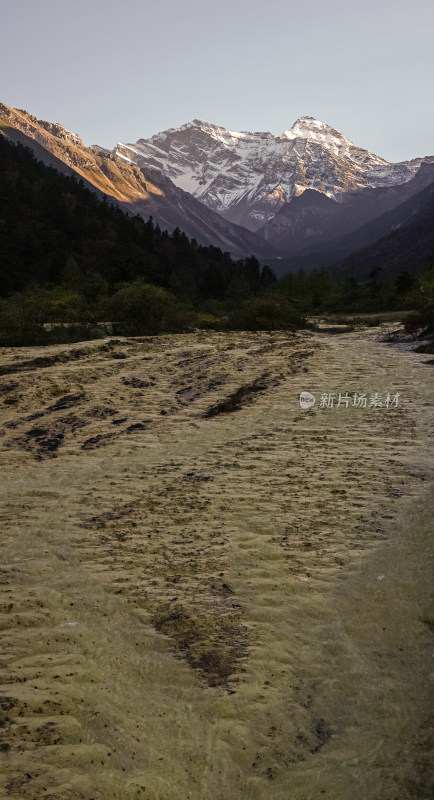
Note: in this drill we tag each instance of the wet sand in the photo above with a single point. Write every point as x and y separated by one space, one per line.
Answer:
207 592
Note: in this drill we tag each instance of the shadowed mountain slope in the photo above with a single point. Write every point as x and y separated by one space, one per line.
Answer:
55 231
408 247
313 218
384 227
138 190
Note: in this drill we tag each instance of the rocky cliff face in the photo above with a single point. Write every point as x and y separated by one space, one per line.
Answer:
103 170
248 177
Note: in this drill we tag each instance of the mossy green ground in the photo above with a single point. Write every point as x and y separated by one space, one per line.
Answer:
216 607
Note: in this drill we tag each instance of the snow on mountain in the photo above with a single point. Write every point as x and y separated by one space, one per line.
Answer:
246 177
139 190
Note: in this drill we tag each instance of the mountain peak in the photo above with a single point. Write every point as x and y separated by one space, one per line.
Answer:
306 120
195 123
321 132
248 175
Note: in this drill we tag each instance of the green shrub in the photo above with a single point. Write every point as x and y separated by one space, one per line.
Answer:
421 321
25 318
268 312
141 308
209 322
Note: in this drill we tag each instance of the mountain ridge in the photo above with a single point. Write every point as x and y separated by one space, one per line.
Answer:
248 176
139 190
312 218
356 251
328 213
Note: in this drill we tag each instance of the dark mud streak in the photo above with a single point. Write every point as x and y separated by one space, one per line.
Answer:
62 404
247 393
44 442
5 388
40 362
98 441
323 734
241 397
137 383
106 438
43 361
109 516
212 644
67 401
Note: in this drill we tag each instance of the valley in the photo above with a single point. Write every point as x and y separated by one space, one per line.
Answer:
305 199
216 401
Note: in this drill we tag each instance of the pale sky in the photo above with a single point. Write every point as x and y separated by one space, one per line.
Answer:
117 71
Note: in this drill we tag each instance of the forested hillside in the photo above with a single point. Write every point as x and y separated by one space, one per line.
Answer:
70 260
52 226
80 253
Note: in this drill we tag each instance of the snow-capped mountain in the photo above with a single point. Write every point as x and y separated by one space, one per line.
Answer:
139 190
247 177
247 193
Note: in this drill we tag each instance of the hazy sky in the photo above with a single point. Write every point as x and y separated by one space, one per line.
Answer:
117 71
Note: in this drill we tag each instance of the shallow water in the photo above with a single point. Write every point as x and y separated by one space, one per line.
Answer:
234 607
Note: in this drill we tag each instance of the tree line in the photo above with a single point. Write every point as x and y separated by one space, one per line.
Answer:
70 261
